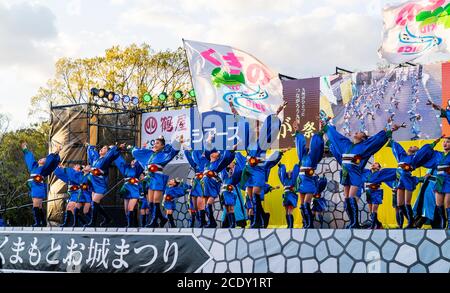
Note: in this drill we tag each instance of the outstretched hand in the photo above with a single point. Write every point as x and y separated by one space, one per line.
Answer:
435 106
396 127
24 145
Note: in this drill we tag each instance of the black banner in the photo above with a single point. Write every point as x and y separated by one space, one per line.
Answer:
101 252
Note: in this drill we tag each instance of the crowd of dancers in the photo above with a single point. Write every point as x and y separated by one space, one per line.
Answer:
228 175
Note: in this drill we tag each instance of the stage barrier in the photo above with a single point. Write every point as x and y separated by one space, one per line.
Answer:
223 250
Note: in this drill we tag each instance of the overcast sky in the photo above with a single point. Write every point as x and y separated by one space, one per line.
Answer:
299 38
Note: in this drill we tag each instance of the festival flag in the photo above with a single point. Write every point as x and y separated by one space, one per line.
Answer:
222 75
416 29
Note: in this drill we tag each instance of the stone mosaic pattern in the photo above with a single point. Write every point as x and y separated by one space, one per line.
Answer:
310 251
336 217
326 251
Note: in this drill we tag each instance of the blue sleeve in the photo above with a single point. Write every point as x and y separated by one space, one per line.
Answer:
142 155
365 174
397 150
92 154
335 152
422 155
273 160
61 174
282 173
434 160
170 151
225 160
112 154
51 163
30 161
300 145
316 149
139 169
269 131
339 141
295 171
384 175
121 165
374 143
189 158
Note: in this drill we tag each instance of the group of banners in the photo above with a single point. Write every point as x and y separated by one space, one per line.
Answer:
227 79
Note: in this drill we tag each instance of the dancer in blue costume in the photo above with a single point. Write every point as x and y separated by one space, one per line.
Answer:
144 210
308 160
175 189
100 161
270 162
373 179
354 156
79 190
198 161
211 181
155 160
290 198
408 162
229 192
441 162
131 173
319 203
259 143
39 170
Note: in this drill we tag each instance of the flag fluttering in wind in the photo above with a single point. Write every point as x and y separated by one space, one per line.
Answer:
222 75
416 29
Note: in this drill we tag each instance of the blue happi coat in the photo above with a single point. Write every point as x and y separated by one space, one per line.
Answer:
408 163
308 161
156 161
100 168
131 174
354 157
79 186
38 174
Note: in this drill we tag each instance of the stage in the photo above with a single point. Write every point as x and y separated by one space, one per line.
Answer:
112 250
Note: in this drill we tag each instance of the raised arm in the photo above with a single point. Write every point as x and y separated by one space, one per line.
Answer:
295 171
273 160
316 149
384 175
51 163
121 165
92 154
282 173
339 141
374 143
300 145
61 174
142 155
112 154
188 154
30 161
226 158
398 151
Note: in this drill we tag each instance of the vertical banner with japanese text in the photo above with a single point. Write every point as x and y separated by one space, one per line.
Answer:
222 75
303 97
112 252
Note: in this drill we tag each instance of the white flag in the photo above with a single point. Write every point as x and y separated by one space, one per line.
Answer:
223 74
416 30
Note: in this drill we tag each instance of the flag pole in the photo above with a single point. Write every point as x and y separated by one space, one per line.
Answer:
189 68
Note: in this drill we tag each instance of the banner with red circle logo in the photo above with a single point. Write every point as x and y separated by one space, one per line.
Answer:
168 124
